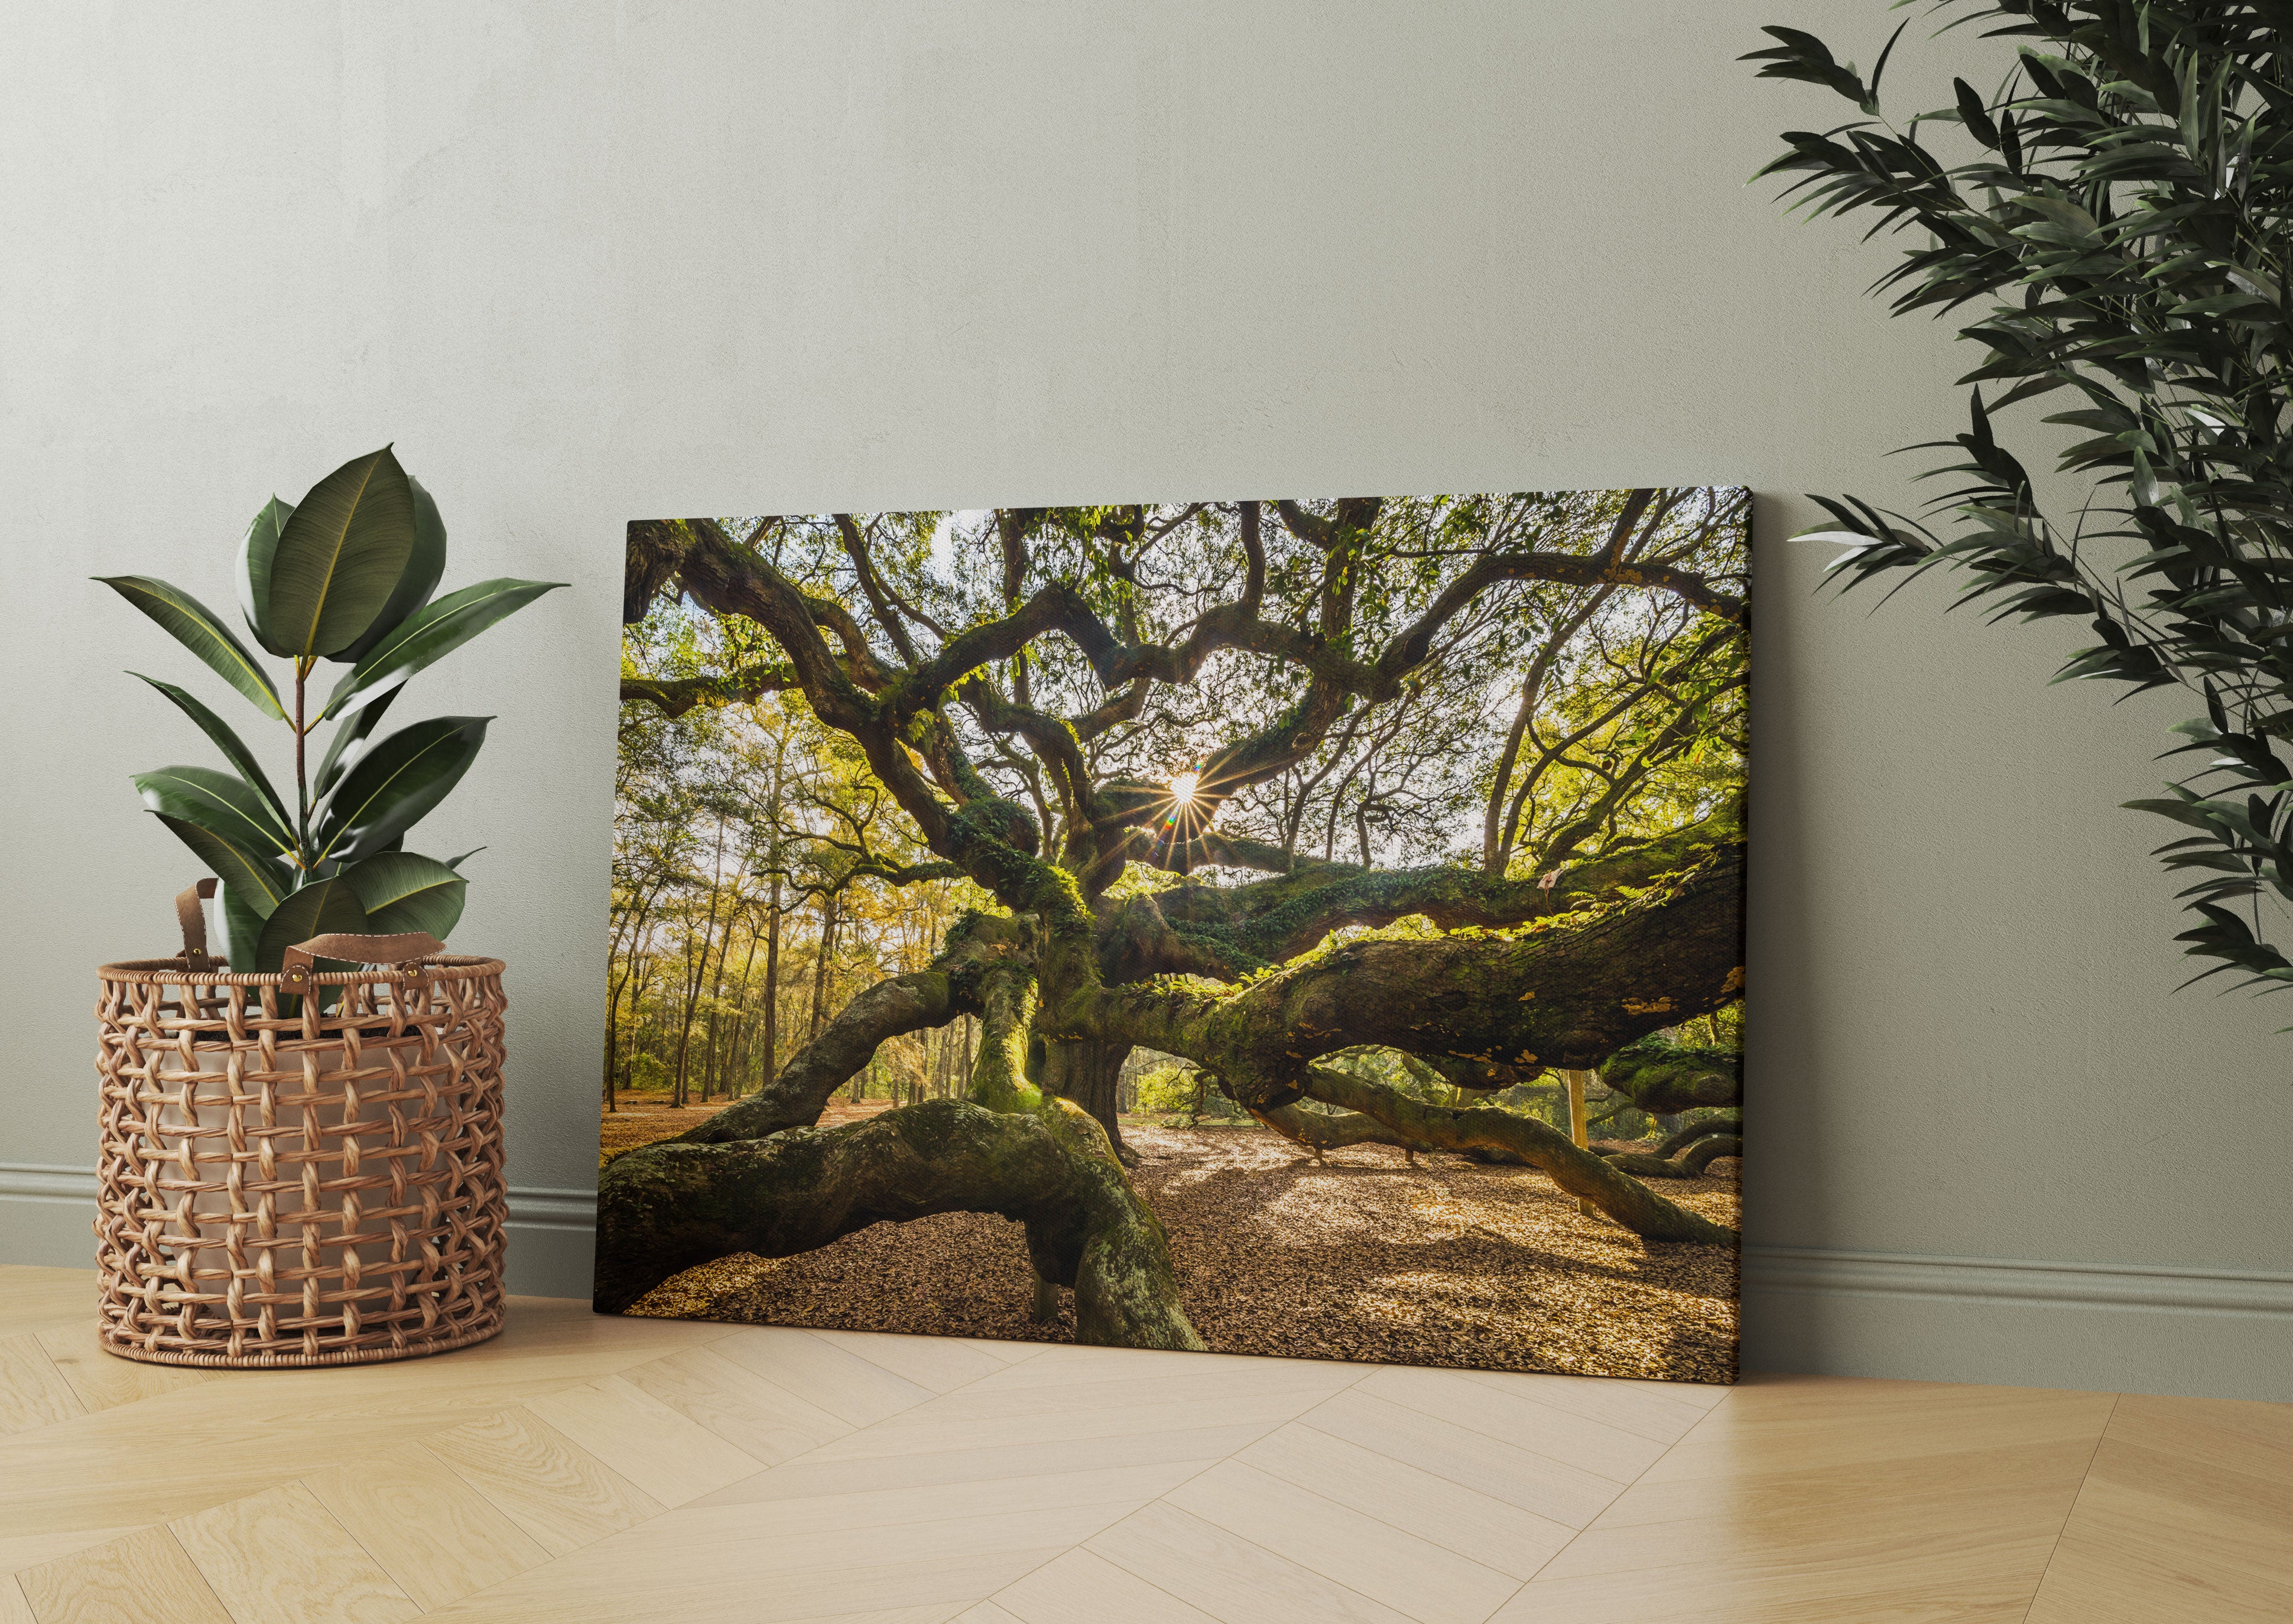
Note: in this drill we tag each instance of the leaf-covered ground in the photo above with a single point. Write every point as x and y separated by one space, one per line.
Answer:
1449 1262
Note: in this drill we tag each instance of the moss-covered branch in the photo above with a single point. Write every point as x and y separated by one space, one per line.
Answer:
1278 919
1728 1123
794 1096
673 698
674 1206
1569 992
1664 1078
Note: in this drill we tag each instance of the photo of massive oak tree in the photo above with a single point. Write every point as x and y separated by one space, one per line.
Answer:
1308 928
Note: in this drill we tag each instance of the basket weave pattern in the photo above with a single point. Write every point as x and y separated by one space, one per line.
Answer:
284 1184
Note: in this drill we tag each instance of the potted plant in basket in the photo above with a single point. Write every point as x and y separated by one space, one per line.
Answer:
347 576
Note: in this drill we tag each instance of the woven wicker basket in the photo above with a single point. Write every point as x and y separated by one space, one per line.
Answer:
293 1175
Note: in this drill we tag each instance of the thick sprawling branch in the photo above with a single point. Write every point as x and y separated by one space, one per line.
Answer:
1729 1124
674 698
1489 1127
674 1206
1662 1078
982 956
1567 994
1273 920
1321 1131
795 1095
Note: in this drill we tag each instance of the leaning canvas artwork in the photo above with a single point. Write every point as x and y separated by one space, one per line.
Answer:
1309 928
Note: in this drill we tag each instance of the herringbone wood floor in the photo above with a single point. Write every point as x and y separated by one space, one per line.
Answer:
583 1469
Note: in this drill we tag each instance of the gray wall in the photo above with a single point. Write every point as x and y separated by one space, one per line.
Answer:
585 263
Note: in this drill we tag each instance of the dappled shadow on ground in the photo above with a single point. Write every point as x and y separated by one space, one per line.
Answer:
1450 1262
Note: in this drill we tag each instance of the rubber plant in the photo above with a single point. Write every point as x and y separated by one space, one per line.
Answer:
345 576
2110 224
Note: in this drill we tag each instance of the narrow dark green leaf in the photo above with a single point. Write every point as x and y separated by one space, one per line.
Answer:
341 556
395 784
403 891
233 748
429 634
194 626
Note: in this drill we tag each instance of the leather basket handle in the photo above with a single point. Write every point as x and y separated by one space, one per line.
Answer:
296 968
193 919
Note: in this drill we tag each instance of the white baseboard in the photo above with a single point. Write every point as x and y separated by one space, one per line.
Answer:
2030 1281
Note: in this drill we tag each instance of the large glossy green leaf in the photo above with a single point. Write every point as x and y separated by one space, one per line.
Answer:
194 626
429 634
424 565
320 908
218 801
395 784
232 746
402 890
350 743
260 880
256 549
341 556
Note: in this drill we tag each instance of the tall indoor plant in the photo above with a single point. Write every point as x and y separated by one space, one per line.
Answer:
2115 218
346 575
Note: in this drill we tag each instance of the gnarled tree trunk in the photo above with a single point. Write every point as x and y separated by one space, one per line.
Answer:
1087 1073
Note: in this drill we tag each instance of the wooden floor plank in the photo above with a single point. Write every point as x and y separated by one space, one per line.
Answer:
34 1297
1825 1500
843 1383
2164 1535
1513 1416
928 1431
1229 1577
280 1557
429 1530
1410 1575
1661 1411
33 1392
144 1579
749 1411
986 1612
810 1476
728 1563
664 1452
1552 1489
1083 1585
102 1380
13 1608
941 1363
1447 1514
561 1496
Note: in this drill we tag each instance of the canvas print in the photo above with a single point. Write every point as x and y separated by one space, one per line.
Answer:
1308 928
